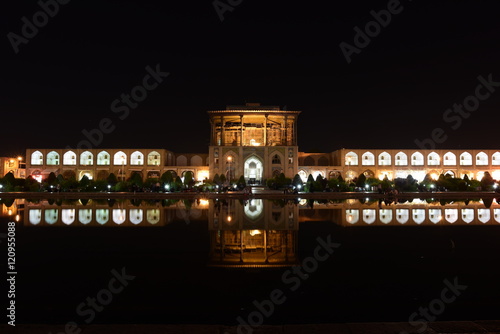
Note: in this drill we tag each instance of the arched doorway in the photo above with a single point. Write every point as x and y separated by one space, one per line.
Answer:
253 170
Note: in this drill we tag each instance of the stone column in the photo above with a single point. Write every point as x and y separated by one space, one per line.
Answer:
241 130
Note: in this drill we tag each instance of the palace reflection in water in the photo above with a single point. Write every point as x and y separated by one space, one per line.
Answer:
251 233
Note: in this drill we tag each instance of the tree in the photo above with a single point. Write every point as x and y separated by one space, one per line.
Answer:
136 179
84 182
9 179
188 179
216 180
177 183
51 179
241 182
167 177
112 179
361 181
487 182
297 180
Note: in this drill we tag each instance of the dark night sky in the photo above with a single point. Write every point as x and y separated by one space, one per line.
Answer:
281 53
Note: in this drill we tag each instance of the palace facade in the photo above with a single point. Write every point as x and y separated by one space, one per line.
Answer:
260 142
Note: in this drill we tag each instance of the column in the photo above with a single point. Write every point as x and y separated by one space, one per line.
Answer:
295 139
286 130
265 131
241 130
223 138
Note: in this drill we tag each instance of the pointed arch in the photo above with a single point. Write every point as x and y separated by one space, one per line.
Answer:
309 161
196 160
433 159
466 159
253 169
53 158
417 159
37 158
103 158
69 158
449 159
481 159
495 159
401 159
120 158
368 159
137 159
86 158
181 160
323 161
351 159
384 159
154 158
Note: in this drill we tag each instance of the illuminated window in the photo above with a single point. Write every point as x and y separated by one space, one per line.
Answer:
37 158
368 159
401 159
351 159
86 159
137 158
417 159
154 158
481 159
466 159
103 158
53 158
450 159
433 159
495 159
384 159
69 158
120 158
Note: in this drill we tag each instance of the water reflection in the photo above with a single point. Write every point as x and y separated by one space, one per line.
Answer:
253 215
255 233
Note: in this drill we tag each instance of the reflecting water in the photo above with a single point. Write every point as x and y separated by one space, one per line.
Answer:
254 214
206 261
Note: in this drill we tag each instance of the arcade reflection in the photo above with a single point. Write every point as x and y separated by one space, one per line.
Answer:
254 233
226 218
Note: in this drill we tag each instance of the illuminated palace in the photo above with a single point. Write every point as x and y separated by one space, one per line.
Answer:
260 142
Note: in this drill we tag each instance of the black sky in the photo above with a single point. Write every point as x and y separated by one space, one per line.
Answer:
278 53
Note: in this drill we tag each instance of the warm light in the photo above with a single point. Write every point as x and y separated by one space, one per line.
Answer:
11 161
229 218
20 158
255 232
204 202
229 158
9 212
18 218
202 175
253 142
434 176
